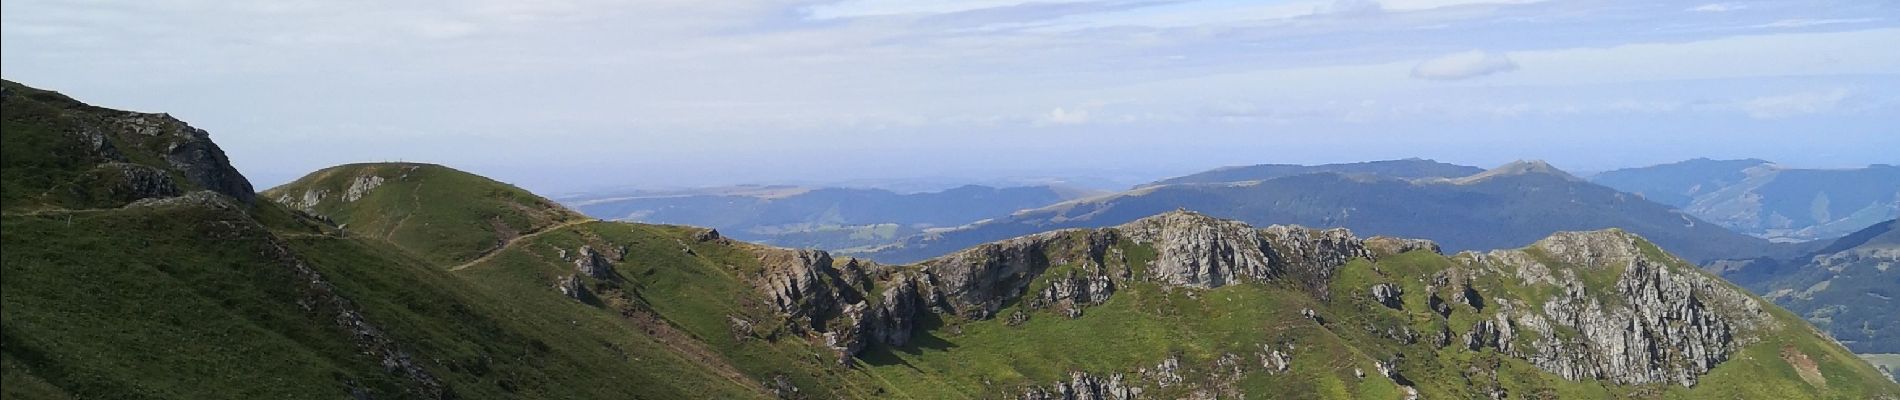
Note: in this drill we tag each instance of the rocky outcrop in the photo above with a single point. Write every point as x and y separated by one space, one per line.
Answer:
1658 323
361 186
130 182
591 263
976 282
1386 246
1661 321
571 287
828 301
1202 251
1069 293
113 157
1387 295
189 151
1084 386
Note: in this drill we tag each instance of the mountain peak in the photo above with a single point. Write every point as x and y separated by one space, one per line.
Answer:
1519 168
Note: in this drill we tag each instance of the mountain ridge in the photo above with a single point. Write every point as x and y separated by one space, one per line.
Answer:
1500 208
221 299
1769 200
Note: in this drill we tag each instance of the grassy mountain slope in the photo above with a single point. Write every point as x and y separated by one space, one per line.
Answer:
1398 169
1767 200
822 217
1677 184
438 213
1224 341
1847 289
63 153
203 296
1508 207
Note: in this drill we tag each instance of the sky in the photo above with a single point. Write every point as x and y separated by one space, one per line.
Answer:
569 95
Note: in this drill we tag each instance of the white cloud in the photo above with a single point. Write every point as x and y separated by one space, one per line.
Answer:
1719 7
1063 116
1796 104
1807 22
1464 65
1351 7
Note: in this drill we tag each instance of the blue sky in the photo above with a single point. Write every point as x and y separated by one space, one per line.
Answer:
561 95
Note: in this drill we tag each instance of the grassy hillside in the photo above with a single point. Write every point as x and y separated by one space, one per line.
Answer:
1847 289
431 283
1217 336
61 153
437 213
1768 200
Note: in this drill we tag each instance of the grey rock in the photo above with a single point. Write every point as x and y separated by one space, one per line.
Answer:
1085 386
190 151
135 181
571 287
1661 322
1387 294
592 263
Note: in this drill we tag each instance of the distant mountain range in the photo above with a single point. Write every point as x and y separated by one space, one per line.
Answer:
1411 168
1508 206
829 218
1763 199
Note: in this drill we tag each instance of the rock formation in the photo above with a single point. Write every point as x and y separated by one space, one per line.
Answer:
1656 324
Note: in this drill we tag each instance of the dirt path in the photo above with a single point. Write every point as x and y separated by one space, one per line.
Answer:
491 253
415 197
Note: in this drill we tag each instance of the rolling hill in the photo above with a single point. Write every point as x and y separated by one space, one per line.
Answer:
1505 207
436 213
1847 288
1400 169
1764 199
826 218
200 294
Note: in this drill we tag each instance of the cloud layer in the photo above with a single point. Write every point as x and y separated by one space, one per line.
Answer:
917 85
1463 65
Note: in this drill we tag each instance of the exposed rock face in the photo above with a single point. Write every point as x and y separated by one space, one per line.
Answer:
896 316
799 282
828 302
1273 360
1437 304
131 182
592 263
190 151
1192 250
1201 251
1487 334
130 155
1083 386
1071 292
708 235
361 186
570 286
977 281
1656 324
1387 295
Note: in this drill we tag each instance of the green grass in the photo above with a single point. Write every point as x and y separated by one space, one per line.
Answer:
185 302
439 214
